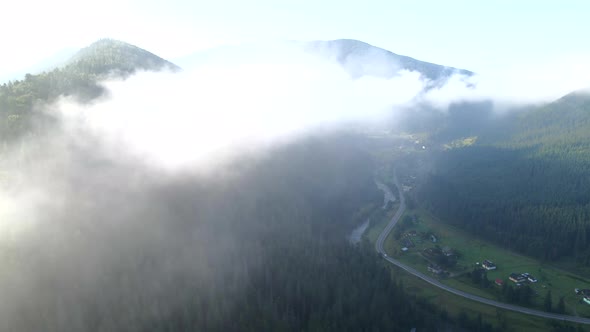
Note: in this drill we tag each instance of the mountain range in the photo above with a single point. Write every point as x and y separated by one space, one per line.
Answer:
80 76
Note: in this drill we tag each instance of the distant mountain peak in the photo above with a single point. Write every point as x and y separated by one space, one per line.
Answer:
80 77
109 55
576 97
359 59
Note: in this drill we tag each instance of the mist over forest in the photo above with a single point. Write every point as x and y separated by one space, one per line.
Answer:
173 201
219 195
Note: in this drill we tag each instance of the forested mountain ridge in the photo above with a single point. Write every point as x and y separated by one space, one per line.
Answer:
79 78
565 121
112 56
525 183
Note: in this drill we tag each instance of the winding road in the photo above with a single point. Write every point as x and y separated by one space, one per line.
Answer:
435 282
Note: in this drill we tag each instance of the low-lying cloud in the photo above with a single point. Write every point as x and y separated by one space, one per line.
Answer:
517 86
214 109
241 100
102 215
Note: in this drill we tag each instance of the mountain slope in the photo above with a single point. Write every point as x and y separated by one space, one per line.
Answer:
564 121
79 78
108 56
359 59
524 184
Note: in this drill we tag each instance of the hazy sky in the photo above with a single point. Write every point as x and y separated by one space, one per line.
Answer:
477 35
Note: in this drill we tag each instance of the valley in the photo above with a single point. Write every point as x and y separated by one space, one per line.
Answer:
453 257
481 219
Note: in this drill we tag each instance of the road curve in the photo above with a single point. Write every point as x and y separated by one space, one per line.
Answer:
435 282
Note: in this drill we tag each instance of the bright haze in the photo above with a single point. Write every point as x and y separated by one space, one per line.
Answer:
217 107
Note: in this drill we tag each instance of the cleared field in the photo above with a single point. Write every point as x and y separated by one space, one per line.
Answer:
550 277
472 251
454 305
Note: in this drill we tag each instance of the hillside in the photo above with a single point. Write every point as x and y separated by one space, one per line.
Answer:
525 183
108 56
79 78
563 122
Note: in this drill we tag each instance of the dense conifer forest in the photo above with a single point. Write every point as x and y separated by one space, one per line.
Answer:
525 184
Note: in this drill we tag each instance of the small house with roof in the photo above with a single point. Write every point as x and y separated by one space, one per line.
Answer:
488 265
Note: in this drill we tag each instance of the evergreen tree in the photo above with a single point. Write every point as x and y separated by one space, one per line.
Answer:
524 183
561 305
547 303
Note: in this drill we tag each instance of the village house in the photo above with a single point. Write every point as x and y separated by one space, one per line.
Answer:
527 276
516 278
488 265
500 282
585 294
435 269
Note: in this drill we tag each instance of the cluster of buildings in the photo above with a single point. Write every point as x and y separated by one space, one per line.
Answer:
522 277
517 278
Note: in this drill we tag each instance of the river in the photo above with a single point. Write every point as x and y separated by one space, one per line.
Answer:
357 233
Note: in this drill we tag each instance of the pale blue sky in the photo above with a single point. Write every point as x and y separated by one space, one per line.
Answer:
478 35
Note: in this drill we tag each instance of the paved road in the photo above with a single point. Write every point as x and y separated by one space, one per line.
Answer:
435 282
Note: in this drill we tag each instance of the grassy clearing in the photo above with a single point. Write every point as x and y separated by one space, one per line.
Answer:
561 283
472 251
454 305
